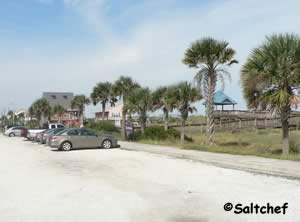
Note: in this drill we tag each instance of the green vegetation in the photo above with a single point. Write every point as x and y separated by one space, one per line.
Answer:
275 65
211 58
41 110
79 102
156 133
102 93
106 126
122 88
264 143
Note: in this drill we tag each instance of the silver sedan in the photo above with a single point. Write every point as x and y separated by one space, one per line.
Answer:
82 138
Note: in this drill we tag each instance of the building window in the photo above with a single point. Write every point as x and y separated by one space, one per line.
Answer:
53 96
65 97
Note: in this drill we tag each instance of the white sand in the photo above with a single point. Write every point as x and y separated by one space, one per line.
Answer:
38 184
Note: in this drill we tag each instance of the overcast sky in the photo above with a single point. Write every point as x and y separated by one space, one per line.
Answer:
70 45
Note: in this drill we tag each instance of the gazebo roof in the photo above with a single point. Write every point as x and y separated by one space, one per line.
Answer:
221 98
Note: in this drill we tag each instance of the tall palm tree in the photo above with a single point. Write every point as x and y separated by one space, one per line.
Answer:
271 77
139 101
102 93
11 115
186 95
122 88
211 57
59 111
41 109
79 102
165 98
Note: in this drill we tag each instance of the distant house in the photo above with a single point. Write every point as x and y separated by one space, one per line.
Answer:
71 117
113 114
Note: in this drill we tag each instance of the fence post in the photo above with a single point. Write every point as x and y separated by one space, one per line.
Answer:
266 122
240 123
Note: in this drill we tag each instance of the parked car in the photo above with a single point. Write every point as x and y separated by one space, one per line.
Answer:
38 136
46 135
24 132
14 131
82 138
32 132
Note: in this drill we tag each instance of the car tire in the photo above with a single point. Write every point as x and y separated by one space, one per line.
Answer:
107 144
12 135
66 146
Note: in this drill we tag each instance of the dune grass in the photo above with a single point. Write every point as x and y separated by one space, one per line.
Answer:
263 142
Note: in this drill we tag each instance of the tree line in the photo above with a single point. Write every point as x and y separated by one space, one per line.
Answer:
270 80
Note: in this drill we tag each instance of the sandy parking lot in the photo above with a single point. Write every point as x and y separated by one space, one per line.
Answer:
43 185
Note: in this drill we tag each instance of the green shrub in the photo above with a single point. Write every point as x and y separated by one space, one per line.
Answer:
103 126
155 133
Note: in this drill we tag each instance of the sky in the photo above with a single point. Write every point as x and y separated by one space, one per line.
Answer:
70 45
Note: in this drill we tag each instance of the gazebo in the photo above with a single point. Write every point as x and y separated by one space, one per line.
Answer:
221 99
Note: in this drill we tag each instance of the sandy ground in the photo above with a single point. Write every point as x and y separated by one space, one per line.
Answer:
38 184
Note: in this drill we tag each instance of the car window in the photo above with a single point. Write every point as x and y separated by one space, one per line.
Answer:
62 132
73 133
85 132
60 126
58 130
52 127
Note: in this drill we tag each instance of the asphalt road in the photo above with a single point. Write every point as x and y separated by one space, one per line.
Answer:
38 184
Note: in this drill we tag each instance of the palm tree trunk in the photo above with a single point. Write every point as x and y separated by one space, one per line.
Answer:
143 122
166 117
182 131
103 111
81 118
42 120
143 127
285 131
211 85
124 136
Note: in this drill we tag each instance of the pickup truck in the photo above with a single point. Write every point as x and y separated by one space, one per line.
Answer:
32 132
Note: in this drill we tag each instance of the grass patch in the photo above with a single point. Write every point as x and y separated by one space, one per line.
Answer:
264 143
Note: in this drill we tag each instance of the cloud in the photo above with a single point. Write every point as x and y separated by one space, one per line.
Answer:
149 49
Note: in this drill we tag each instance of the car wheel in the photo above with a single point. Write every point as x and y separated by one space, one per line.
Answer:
107 144
66 146
12 135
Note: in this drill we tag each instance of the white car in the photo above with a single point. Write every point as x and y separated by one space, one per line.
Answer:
32 132
14 131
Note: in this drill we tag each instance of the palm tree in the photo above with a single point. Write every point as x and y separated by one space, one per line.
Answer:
186 95
122 88
211 58
102 93
41 109
164 98
59 111
11 115
139 101
271 77
79 102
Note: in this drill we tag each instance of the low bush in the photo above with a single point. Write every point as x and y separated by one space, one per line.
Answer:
107 126
155 133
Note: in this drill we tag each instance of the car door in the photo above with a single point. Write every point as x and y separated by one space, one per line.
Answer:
89 139
75 138
17 131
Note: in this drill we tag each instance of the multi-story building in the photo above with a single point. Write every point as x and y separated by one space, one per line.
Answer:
71 116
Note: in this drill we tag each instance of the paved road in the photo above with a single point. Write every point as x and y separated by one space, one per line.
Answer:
38 184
